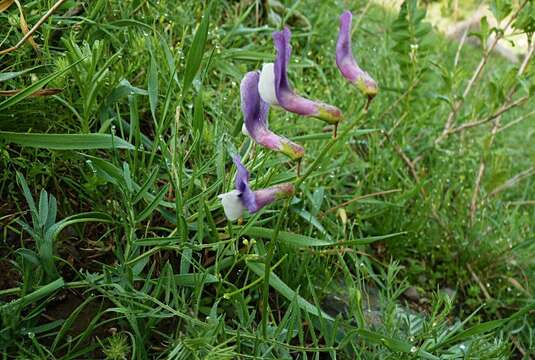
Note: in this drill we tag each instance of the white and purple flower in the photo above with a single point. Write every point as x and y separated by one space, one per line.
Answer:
242 197
255 113
347 63
275 88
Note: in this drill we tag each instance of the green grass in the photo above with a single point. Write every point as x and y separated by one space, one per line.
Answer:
114 244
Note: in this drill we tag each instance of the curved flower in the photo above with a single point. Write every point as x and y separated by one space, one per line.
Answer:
255 112
275 88
236 201
346 62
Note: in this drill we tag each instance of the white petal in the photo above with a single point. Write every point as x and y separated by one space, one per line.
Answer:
244 130
232 204
266 84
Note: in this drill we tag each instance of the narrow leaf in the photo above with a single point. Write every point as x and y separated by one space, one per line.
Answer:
10 75
153 86
65 141
154 203
145 187
287 237
196 51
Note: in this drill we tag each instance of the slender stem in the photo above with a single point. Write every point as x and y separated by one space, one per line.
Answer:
488 50
506 107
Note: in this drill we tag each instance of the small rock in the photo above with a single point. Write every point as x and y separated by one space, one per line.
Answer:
412 294
373 318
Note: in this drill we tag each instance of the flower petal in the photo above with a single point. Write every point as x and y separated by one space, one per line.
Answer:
255 112
242 185
267 196
286 97
232 204
266 84
236 201
347 63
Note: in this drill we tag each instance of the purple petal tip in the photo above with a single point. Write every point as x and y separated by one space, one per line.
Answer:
347 63
242 184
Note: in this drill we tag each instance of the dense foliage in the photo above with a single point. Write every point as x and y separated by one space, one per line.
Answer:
410 235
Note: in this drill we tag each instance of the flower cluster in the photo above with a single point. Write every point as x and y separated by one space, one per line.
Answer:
271 87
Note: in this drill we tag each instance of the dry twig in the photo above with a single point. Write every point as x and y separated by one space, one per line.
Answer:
34 28
488 50
506 107
513 181
477 184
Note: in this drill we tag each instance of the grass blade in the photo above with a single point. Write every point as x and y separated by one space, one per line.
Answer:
65 141
153 204
196 51
287 237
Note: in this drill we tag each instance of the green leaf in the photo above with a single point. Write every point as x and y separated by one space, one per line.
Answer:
303 240
113 174
153 86
65 141
10 75
43 207
38 294
29 199
476 330
370 239
145 187
153 204
196 51
286 291
287 237
123 89
501 8
312 220
198 118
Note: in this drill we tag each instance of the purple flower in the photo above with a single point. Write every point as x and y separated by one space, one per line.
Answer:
346 62
242 197
275 88
255 112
